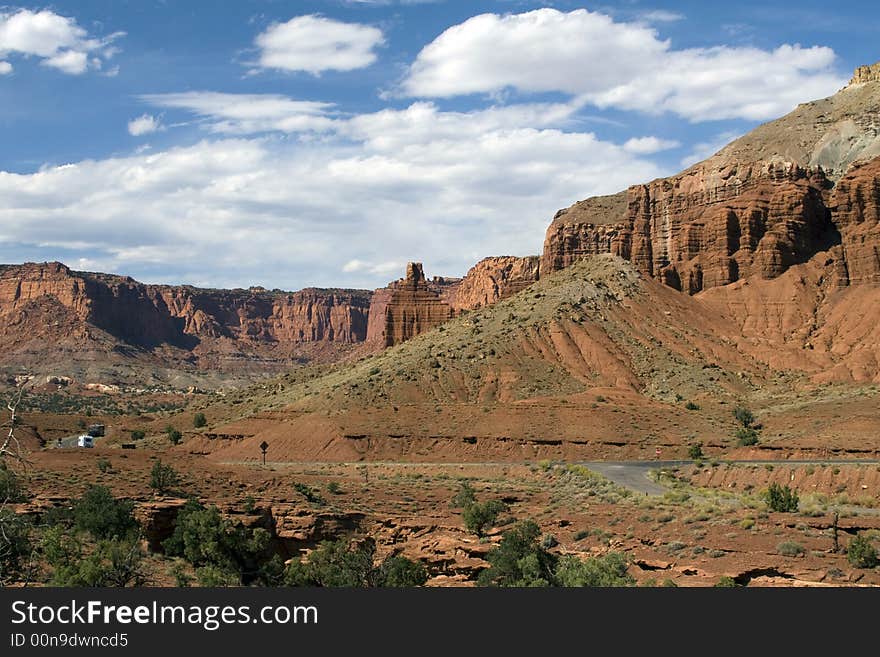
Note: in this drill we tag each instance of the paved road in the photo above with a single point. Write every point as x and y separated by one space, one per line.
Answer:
633 474
629 474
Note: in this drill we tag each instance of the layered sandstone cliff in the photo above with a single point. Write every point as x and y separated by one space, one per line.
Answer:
772 199
491 280
50 303
407 307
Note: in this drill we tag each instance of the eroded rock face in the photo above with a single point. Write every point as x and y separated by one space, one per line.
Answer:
415 304
149 316
792 188
856 211
493 279
408 306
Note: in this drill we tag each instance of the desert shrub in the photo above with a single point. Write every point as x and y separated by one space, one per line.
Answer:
204 538
333 488
104 465
174 436
480 516
549 541
214 576
861 553
608 570
111 562
790 549
344 564
307 492
519 560
103 515
11 489
15 545
199 420
582 534
398 571
695 451
163 477
744 416
726 583
691 406
138 434
464 497
334 564
746 437
781 498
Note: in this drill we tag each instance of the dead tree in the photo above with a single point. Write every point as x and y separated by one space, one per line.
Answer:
13 459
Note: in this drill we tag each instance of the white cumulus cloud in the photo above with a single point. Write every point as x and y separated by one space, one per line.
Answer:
5 68
248 113
621 65
648 145
144 125
348 209
58 41
314 44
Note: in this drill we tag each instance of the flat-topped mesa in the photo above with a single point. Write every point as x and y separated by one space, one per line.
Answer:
865 74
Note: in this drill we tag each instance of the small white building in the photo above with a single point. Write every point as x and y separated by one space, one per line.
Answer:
85 441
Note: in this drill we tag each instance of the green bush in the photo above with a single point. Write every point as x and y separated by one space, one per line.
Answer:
607 570
174 436
464 497
695 451
104 516
15 546
11 489
138 434
334 564
744 416
104 465
333 488
343 564
790 549
480 516
861 553
691 406
163 477
519 560
746 437
112 562
307 492
199 420
204 537
781 498
398 571
726 583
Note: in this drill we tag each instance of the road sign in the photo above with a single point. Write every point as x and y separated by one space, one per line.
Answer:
263 447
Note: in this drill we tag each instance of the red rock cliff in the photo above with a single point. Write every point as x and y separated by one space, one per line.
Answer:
147 316
772 199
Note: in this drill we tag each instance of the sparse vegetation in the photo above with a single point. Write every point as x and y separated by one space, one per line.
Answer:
480 516
691 406
104 516
861 553
790 549
781 498
163 477
199 420
174 436
695 451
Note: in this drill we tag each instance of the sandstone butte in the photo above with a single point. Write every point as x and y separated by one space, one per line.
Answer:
801 190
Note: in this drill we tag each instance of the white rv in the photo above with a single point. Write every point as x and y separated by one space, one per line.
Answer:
85 441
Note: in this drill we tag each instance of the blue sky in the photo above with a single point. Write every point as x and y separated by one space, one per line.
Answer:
326 143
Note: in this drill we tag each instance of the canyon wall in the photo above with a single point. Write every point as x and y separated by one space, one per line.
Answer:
792 188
